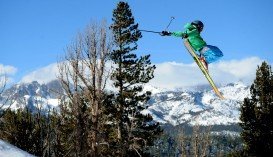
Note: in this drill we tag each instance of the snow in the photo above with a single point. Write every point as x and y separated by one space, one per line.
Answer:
154 89
8 150
199 107
54 102
177 106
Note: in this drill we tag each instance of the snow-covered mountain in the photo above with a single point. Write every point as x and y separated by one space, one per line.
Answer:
198 105
33 95
201 107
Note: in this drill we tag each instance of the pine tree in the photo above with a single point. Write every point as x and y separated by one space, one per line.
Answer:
257 114
25 130
134 131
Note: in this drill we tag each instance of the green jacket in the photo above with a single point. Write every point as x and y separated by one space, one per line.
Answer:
193 36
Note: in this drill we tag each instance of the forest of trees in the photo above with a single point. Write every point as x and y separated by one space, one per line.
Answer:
93 121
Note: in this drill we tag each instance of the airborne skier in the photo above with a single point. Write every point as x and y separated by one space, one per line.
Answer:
207 53
195 43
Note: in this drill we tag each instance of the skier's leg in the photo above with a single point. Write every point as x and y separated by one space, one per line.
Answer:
211 53
202 58
203 61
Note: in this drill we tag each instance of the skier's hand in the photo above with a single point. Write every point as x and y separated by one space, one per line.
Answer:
184 36
165 33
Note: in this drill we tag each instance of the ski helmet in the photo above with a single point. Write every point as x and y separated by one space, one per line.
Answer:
198 24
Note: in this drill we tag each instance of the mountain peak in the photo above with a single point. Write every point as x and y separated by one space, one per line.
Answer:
31 95
196 105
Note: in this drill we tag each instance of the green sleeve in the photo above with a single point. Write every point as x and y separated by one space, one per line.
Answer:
182 33
178 34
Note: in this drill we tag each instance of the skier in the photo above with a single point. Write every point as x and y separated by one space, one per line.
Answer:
207 53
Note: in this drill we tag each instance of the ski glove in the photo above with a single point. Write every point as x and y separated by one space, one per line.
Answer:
165 33
184 36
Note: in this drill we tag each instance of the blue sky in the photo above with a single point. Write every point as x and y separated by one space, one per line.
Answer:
35 33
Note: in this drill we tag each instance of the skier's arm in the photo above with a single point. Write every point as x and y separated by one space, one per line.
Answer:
176 34
179 34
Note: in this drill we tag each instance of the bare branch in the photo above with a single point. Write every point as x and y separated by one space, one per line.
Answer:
82 75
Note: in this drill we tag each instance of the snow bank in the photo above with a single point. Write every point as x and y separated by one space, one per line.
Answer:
8 150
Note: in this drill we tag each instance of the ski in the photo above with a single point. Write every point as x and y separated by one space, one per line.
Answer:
202 68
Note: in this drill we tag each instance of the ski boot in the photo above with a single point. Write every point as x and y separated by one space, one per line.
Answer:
203 61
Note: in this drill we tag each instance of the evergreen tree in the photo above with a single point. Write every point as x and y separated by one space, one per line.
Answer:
53 140
24 130
257 114
134 131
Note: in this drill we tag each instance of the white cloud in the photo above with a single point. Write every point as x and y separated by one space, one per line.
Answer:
243 70
175 75
42 75
7 70
172 74
240 68
6 73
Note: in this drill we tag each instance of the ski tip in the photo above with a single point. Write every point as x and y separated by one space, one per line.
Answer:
221 96
218 93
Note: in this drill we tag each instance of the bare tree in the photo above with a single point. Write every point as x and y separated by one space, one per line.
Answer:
196 140
5 101
201 140
83 77
3 81
206 140
182 142
197 144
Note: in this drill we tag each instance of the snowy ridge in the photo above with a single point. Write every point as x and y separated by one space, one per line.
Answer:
33 95
196 105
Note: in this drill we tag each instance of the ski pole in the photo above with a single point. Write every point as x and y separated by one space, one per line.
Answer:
149 31
172 18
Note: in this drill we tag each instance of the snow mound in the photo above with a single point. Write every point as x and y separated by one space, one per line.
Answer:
8 150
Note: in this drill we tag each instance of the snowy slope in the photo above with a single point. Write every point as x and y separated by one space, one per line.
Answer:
8 150
196 105
33 95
